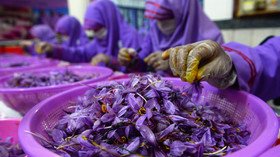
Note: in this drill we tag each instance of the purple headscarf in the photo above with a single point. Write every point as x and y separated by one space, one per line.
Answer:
43 32
192 25
70 26
104 13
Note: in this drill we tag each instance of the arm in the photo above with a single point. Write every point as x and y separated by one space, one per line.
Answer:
258 68
255 70
146 48
74 54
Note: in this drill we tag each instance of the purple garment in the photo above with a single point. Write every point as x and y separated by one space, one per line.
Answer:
101 12
43 32
70 26
120 34
192 25
258 68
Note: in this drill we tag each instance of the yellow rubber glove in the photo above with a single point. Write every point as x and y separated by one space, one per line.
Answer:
155 60
43 47
126 55
205 61
101 57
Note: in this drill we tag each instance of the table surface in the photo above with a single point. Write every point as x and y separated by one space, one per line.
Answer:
6 112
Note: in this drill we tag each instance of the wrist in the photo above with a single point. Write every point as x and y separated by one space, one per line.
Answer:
230 77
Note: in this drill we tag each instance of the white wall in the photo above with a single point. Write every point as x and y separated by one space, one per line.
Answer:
223 10
251 36
219 9
78 8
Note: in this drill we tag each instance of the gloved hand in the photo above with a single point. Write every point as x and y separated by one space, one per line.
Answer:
101 57
204 60
43 47
126 55
155 60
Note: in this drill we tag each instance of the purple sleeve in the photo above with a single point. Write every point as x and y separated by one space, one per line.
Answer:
146 48
31 50
258 68
74 54
114 65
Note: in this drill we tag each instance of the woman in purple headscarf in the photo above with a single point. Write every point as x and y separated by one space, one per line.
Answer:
70 32
173 23
111 32
40 33
43 33
110 29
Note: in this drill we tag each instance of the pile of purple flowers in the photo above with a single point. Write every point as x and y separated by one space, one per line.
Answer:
7 149
28 80
146 116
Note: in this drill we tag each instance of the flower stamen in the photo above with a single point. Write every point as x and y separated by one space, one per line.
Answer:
142 111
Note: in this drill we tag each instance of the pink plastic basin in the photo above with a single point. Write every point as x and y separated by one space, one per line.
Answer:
245 108
34 63
23 99
273 152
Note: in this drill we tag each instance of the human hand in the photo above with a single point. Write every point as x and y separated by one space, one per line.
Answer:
101 57
126 55
205 60
155 60
43 47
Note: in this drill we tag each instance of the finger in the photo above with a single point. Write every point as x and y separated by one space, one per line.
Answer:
40 48
124 52
172 60
201 74
96 61
93 62
153 60
147 59
157 64
201 51
211 72
182 62
165 55
161 65
206 73
180 59
132 52
124 59
124 55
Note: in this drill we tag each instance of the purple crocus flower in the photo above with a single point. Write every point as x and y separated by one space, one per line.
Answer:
145 116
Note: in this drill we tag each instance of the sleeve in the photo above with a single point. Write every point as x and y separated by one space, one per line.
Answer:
258 68
31 49
146 48
77 54
130 37
114 65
